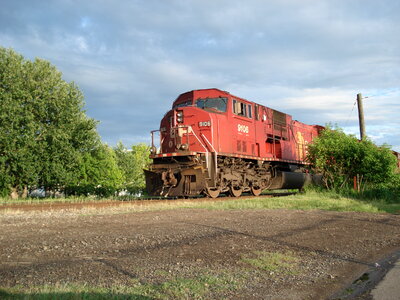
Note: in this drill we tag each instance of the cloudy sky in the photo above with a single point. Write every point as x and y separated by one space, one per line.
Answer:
132 58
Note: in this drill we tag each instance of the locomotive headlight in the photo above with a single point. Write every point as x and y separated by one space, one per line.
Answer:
179 116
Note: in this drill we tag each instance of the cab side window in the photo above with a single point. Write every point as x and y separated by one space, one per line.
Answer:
256 115
242 109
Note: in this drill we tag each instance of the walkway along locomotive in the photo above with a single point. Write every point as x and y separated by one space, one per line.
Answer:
213 142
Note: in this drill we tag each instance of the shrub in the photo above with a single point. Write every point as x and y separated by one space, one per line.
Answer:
340 157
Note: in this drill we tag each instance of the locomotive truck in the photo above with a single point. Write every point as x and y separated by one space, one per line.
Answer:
212 142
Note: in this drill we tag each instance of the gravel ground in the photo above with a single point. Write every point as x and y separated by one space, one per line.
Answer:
113 246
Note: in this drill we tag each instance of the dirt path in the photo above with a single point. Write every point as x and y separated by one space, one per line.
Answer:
73 246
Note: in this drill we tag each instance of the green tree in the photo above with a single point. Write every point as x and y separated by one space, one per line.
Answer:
99 174
125 162
140 153
99 168
17 129
44 130
339 157
132 162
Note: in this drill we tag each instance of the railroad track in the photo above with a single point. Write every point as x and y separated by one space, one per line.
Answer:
140 201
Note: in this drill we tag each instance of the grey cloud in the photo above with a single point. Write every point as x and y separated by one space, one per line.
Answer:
133 58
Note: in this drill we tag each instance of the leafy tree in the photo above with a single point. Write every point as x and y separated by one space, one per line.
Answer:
47 140
140 153
43 128
63 132
340 157
132 162
99 168
17 129
125 161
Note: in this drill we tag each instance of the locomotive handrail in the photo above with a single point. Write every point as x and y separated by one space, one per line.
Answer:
212 147
215 152
152 140
195 135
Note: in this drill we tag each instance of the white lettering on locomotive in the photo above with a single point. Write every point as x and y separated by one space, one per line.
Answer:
243 128
205 124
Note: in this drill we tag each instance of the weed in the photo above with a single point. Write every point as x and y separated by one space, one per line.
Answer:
273 262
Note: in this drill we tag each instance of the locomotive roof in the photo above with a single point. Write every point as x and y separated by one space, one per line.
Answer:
181 96
215 90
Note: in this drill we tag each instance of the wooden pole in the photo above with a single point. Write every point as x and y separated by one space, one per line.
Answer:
355 183
361 116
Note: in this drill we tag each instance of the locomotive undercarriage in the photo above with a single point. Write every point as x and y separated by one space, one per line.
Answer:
211 175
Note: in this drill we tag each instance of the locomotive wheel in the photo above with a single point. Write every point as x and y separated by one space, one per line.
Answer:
256 191
212 192
235 191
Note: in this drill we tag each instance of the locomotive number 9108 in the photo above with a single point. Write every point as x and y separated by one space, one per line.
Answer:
212 142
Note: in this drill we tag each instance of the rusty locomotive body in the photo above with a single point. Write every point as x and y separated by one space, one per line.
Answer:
213 142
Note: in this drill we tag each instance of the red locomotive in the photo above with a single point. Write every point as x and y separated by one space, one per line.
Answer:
213 142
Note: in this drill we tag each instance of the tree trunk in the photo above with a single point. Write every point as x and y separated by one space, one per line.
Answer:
24 193
14 193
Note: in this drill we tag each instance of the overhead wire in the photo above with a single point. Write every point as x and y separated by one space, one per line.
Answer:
354 105
348 118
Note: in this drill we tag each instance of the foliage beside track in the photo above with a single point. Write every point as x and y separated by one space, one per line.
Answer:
340 158
343 160
48 142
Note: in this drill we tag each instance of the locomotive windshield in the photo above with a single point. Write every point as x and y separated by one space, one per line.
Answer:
183 104
212 104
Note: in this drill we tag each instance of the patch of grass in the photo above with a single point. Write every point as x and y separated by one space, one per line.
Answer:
4 201
273 262
200 287
306 201
69 199
67 292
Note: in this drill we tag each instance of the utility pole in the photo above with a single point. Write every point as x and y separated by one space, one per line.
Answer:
356 181
361 116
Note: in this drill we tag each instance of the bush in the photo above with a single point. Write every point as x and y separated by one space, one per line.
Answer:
340 157
90 190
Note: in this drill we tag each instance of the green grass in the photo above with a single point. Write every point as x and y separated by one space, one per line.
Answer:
189 288
200 287
310 200
323 200
273 262
4 201
69 292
